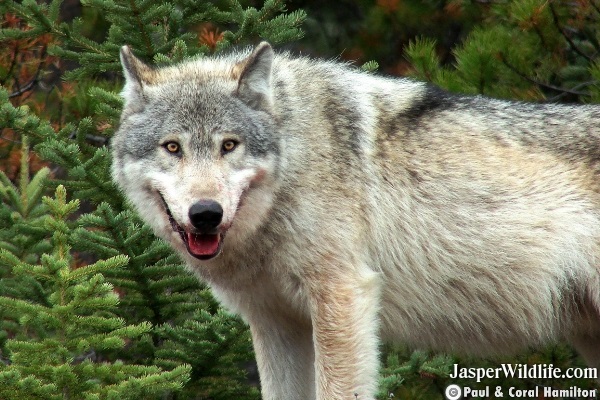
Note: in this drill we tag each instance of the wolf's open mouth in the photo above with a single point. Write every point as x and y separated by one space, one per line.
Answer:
203 246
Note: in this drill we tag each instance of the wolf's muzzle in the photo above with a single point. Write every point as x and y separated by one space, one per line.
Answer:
206 215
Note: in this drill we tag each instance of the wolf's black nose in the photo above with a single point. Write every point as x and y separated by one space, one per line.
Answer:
206 215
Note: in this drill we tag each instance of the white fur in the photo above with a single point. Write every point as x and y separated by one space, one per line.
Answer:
463 225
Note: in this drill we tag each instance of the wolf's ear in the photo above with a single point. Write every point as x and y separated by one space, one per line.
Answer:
137 75
254 84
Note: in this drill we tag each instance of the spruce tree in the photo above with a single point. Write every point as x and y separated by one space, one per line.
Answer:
92 305
58 337
529 50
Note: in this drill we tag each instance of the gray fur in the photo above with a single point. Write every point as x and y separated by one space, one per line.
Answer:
358 207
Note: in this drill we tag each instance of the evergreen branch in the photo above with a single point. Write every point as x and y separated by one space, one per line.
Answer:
13 63
15 386
34 81
574 88
564 34
98 267
24 172
20 307
10 260
10 192
109 326
29 86
35 189
538 83
142 27
21 120
156 383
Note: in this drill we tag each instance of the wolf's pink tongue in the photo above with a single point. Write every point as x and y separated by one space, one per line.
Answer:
203 245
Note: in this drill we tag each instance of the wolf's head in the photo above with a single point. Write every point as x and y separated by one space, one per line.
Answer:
197 147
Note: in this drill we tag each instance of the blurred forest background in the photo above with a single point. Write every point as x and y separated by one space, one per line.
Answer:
92 306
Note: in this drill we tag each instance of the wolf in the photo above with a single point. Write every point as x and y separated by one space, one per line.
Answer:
334 209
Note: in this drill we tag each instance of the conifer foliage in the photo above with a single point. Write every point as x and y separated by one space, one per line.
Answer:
527 50
92 305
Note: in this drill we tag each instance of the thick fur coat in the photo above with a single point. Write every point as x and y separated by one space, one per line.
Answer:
332 208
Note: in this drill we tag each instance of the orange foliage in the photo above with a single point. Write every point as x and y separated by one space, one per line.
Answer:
454 9
210 36
389 6
22 65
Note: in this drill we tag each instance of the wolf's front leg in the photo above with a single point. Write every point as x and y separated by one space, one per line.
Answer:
285 357
345 335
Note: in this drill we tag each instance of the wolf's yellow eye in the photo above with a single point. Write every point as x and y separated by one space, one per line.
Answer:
228 146
172 147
